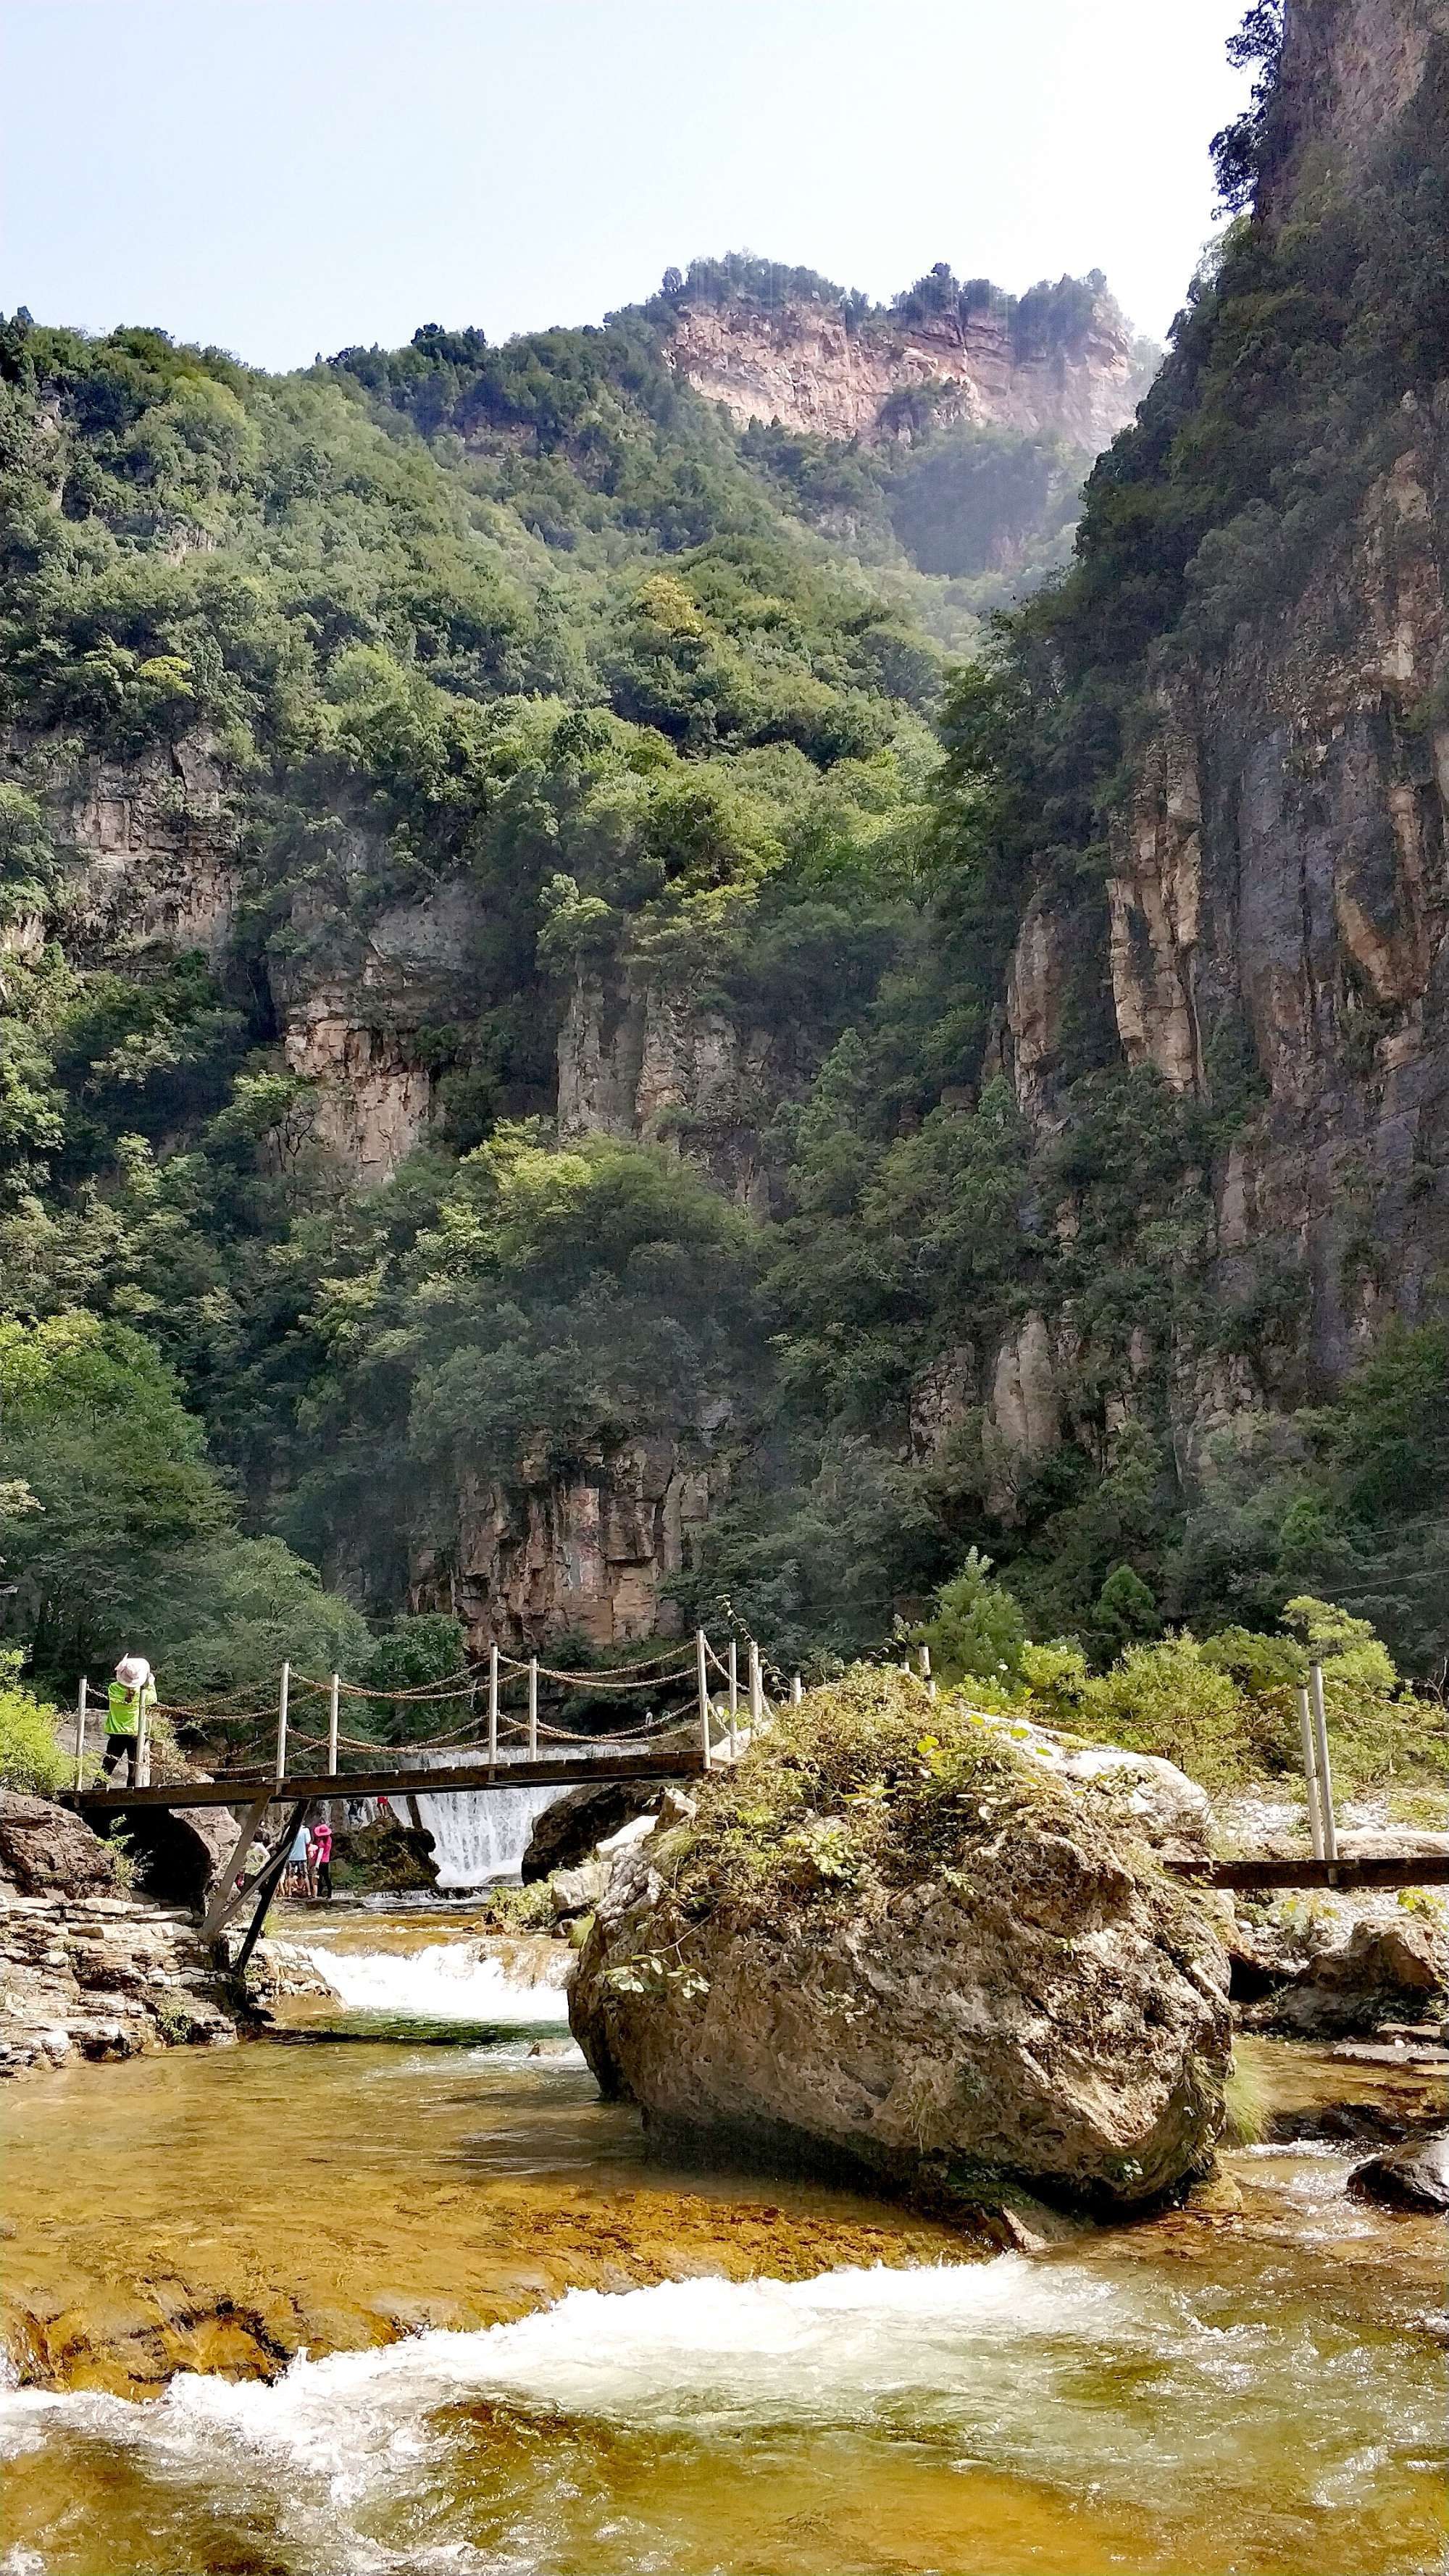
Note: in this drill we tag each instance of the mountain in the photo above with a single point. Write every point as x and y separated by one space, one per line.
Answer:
619 1080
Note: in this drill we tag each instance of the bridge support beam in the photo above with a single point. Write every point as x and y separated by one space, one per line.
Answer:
229 1893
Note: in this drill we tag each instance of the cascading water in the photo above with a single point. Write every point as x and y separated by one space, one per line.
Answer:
447 1981
964 2418
480 1837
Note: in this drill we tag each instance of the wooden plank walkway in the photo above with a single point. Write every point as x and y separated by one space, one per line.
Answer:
564 1771
1412 1869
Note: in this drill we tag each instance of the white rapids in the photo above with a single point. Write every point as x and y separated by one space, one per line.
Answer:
444 1981
1056 2371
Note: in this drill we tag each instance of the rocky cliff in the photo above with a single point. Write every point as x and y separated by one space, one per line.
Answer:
1278 866
813 369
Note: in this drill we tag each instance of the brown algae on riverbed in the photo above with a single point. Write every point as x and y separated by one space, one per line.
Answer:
778 2376
221 2212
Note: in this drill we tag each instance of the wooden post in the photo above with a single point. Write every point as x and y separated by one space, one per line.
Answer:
925 1660
282 1721
492 1710
797 1691
734 1693
1325 1775
143 1738
80 1730
268 1880
228 1894
1310 1774
701 1665
757 1687
533 1708
332 1731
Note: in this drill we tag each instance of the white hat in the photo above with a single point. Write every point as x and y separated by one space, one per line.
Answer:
133 1671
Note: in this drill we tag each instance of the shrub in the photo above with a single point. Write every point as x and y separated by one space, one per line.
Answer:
1167 1699
977 1631
866 1774
30 1754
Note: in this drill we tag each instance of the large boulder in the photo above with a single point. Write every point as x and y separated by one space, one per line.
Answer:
1378 1968
1410 2177
44 1849
897 1937
568 1831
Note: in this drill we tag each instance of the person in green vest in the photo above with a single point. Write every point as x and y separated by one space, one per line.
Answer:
128 1699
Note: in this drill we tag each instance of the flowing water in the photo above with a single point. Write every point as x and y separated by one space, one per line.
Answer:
477 1840
614 2366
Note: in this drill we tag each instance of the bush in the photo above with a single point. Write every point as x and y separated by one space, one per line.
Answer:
977 1632
30 1754
866 1774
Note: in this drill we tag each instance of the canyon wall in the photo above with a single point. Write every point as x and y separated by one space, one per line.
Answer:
809 368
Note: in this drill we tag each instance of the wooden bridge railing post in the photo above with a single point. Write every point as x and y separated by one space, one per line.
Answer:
757 1687
797 1690
282 1695
1310 1772
332 1728
925 1661
701 1669
533 1708
80 1731
734 1693
1325 1775
492 1710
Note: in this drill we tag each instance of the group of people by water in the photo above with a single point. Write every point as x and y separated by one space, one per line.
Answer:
309 1862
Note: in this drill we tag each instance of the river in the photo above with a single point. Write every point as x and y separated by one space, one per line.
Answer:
610 2365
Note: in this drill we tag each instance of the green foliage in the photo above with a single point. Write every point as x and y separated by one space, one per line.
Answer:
414 1652
254 1606
1166 1698
117 1533
30 1755
867 1774
976 1631
1225 1709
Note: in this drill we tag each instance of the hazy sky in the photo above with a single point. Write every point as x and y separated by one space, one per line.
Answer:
287 176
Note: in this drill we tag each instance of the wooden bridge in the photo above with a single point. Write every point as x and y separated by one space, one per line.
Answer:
688 1743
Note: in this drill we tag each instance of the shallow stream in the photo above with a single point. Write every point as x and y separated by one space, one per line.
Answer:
610 2365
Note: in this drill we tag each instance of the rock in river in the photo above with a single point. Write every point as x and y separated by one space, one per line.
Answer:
1409 2177
893 1936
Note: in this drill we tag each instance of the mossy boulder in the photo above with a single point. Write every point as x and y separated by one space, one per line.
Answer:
896 1937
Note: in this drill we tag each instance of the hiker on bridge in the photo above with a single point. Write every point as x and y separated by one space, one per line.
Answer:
128 1700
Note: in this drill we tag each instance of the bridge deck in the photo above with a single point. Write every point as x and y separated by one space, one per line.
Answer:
564 1771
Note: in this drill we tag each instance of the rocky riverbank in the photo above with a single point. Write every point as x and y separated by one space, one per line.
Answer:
88 1968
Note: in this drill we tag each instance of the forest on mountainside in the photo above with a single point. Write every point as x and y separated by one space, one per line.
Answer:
537 623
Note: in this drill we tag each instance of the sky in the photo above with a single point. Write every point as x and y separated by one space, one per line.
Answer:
283 178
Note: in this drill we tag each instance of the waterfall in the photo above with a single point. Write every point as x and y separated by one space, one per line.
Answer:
481 1835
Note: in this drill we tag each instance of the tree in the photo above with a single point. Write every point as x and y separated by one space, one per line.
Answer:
976 1631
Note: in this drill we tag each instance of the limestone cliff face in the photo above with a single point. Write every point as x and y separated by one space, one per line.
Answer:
153 849
638 1059
1277 900
805 367
354 1005
588 1554
1349 67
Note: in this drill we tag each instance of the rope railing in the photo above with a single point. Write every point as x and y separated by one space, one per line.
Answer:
507 1729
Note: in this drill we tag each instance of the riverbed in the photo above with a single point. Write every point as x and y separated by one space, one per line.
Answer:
341 2302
